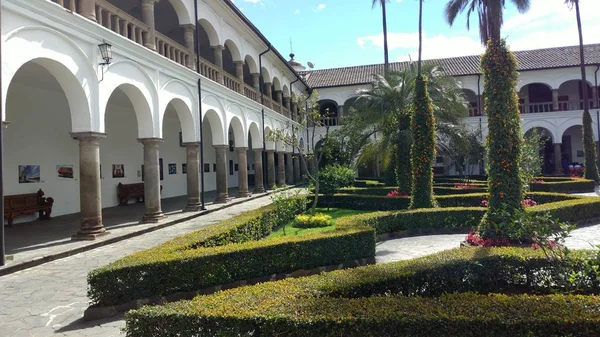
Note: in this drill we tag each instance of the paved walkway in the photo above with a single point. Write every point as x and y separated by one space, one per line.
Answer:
49 300
39 239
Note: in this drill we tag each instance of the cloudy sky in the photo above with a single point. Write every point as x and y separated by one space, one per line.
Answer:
338 33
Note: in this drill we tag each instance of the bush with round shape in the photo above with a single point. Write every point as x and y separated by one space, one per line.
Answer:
312 221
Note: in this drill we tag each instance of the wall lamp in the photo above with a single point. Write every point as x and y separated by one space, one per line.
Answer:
106 54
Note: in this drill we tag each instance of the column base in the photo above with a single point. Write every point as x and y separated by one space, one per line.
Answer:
259 190
243 195
89 234
193 207
153 217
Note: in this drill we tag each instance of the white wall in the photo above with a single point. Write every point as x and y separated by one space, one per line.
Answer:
172 153
38 134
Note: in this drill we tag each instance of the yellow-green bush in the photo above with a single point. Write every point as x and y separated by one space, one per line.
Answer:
445 294
312 221
224 253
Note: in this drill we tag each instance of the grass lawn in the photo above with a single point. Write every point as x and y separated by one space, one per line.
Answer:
334 213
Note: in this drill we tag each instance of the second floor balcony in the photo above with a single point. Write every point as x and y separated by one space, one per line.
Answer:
168 31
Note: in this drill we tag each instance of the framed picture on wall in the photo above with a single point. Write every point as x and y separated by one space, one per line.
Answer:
214 167
29 174
184 168
172 168
206 168
118 171
64 171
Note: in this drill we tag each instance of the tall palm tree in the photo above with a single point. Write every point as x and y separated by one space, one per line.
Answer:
385 41
589 147
499 67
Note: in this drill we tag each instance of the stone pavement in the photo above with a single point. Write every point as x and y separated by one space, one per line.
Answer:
49 300
37 240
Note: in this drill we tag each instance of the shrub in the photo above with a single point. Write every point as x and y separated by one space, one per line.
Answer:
223 253
444 294
334 177
565 185
312 221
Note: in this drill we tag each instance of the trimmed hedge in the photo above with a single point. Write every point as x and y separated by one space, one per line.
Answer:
454 215
221 254
406 298
438 190
382 203
562 186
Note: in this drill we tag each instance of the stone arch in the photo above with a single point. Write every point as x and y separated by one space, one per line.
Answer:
570 95
179 95
141 107
169 18
254 133
523 82
238 132
138 86
235 51
276 84
286 91
185 16
216 127
266 75
571 122
545 127
64 60
251 64
210 30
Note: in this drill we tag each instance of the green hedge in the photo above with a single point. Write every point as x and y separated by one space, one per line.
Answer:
562 186
383 203
406 298
223 253
438 190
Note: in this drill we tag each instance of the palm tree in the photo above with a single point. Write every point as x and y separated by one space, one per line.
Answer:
395 91
589 147
499 67
385 43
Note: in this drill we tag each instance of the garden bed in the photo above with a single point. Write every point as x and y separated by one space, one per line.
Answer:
410 298
224 253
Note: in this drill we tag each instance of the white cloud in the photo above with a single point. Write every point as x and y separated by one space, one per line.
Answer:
320 7
547 24
297 11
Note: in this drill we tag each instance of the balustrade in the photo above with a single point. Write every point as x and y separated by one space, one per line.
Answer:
173 50
113 18
535 107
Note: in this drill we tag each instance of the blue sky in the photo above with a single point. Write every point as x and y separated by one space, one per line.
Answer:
339 33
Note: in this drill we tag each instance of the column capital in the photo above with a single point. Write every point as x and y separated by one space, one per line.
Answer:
255 74
5 124
270 151
257 150
239 63
218 48
90 135
192 143
149 2
223 146
150 141
241 149
189 26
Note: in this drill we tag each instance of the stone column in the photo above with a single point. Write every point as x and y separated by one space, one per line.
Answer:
256 82
90 194
268 93
148 18
242 172
222 190
555 106
280 169
239 73
289 169
258 172
188 36
296 162
152 181
558 158
218 51
279 96
194 203
87 9
270 169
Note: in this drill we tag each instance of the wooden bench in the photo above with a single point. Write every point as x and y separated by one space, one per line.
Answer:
21 204
128 191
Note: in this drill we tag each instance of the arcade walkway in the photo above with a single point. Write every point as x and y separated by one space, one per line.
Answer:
37 240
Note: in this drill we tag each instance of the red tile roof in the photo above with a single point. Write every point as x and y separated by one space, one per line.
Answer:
560 57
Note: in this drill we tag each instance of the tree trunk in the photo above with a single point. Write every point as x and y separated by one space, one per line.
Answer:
589 146
385 41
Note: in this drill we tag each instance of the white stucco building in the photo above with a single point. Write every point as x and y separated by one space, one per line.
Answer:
550 95
140 117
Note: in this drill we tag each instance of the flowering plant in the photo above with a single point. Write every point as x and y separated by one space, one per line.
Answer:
396 193
474 239
528 202
484 203
538 181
